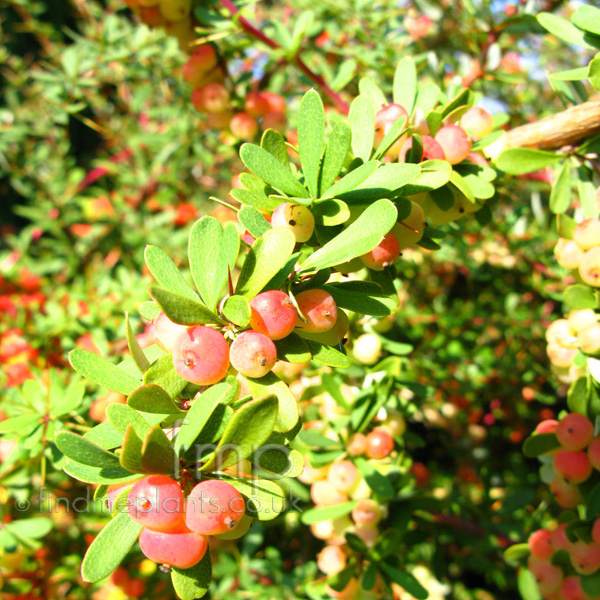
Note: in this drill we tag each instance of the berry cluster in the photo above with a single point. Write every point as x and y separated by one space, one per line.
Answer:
582 252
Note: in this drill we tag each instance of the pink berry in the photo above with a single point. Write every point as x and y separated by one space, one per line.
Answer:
366 513
166 332
324 494
179 548
548 577
273 314
566 494
594 453
214 98
379 443
589 339
255 104
559 538
201 355
384 120
384 254
455 142
585 558
343 475
357 444
243 126
571 589
572 465
540 544
574 432
331 560
156 502
214 507
319 309
477 122
547 426
589 267
431 149
253 354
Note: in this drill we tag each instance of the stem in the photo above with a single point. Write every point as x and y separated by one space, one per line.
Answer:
259 35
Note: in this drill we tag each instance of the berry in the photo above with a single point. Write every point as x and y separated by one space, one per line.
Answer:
357 444
166 332
214 507
367 348
368 535
596 531
331 560
477 122
395 424
273 314
384 254
566 494
431 149
559 332
343 475
323 493
319 309
540 544
547 426
585 557
384 120
455 142
156 503
297 218
253 354
379 443
572 465
243 126
574 432
179 548
589 267
175 10
274 119
571 589
201 355
336 336
559 538
410 230
366 513
589 339
561 356
579 320
587 234
255 104
567 253
548 577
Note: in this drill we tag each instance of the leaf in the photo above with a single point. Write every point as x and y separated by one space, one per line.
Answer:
314 439
578 396
398 129
268 168
83 451
287 414
315 515
560 195
516 553
253 221
249 428
335 155
198 415
149 310
19 423
236 309
121 415
264 260
379 483
538 444
158 455
361 119
264 499
194 582
593 71
327 355
363 297
34 528
405 83
351 179
255 199
272 141
131 452
292 349
590 584
212 251
134 347
165 272
181 309
563 29
108 476
281 461
368 88
101 371
358 239
104 435
110 547
406 581
565 226
311 138
580 296
329 213
587 17
519 161
151 398
163 373
527 585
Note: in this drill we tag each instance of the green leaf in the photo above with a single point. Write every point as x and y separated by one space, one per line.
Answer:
405 83
236 309
563 29
560 196
255 199
268 168
539 443
578 396
158 455
327 355
361 119
363 297
134 347
461 99
272 141
105 435
264 499
108 476
565 226
592 503
593 71
20 423
368 88
151 398
519 161
109 548
149 310
311 138
336 152
406 581
587 17
34 528
121 415
351 179
213 252
131 452
101 371
194 582
292 349
264 260
253 221
163 373
580 296
328 213
314 439
287 414
428 97
398 129
181 309
83 451
528 585
282 461
165 272
379 483
358 239
340 580
516 553
590 584
314 515
198 415
249 428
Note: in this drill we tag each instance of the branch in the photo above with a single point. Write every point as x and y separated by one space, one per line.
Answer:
259 35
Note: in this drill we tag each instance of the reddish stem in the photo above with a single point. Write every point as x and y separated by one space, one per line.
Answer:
259 35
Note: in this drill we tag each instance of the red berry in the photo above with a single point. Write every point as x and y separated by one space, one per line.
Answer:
179 548
319 308
572 465
273 314
156 502
540 544
455 142
253 354
575 431
214 507
384 254
379 443
166 332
